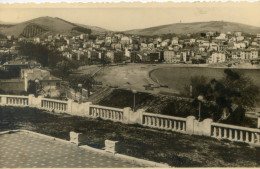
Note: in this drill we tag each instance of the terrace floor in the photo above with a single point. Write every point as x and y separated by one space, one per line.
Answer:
24 150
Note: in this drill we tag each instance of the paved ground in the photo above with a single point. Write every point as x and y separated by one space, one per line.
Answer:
23 150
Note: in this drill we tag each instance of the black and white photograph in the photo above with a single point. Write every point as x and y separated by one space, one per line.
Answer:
130 85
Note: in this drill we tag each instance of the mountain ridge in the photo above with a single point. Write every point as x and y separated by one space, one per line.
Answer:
45 25
48 25
195 27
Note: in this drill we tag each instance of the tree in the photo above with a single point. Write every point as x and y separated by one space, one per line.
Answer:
240 89
227 99
31 87
197 83
86 80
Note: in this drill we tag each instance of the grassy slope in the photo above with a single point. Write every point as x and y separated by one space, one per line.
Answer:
184 28
49 23
169 147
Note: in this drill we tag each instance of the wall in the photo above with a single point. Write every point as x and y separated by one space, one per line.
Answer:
188 125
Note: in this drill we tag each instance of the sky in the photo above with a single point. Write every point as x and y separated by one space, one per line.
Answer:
127 17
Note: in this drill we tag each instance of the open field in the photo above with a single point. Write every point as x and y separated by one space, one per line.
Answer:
135 76
176 149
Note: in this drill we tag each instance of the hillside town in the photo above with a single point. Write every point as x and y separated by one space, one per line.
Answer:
209 47
94 86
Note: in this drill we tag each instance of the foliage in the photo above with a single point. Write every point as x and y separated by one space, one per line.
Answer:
197 83
31 87
81 29
231 96
36 52
86 80
63 68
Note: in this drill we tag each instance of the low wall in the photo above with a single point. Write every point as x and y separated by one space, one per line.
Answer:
187 125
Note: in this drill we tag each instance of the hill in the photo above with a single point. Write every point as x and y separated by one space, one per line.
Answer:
48 25
195 27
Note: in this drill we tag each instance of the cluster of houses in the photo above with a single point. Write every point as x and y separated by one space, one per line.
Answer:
211 47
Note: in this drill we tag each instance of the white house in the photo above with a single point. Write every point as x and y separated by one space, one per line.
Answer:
217 57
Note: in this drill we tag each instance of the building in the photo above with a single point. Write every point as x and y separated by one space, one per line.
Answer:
46 80
169 56
217 57
20 65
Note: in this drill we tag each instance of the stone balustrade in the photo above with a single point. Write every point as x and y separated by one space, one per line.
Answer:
14 100
106 113
164 122
187 125
235 133
61 106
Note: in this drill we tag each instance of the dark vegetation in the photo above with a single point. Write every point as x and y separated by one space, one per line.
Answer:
85 80
82 30
176 149
60 66
225 100
166 105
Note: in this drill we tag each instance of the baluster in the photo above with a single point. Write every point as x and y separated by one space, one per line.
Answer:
119 115
174 125
110 114
236 134
252 137
106 113
116 114
247 136
101 112
166 123
170 124
162 124
146 120
184 126
225 132
214 131
230 134
179 125
93 111
241 136
151 121
157 122
113 114
219 132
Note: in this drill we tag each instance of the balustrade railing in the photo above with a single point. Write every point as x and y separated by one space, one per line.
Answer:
108 113
164 122
54 105
17 100
235 133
